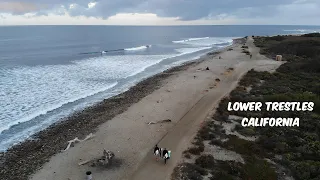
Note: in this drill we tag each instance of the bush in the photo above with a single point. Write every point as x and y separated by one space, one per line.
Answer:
205 161
189 171
221 175
188 156
242 146
306 169
249 131
277 38
258 169
197 149
216 142
205 133
246 52
311 35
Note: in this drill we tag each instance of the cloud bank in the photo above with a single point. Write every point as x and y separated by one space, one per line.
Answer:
181 11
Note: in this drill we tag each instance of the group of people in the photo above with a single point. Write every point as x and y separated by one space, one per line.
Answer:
161 153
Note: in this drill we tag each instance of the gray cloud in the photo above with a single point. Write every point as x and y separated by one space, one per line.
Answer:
184 9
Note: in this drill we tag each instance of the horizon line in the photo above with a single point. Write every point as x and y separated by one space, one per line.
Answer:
157 25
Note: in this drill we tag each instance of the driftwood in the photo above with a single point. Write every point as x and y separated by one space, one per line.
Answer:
103 161
83 162
162 121
75 140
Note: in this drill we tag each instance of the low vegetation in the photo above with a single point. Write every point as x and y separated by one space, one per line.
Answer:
293 150
311 35
246 52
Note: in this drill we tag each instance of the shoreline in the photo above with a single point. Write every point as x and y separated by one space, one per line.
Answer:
24 159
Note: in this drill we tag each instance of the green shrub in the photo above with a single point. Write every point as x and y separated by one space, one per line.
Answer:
205 133
242 146
221 175
311 35
257 169
189 171
197 149
205 161
187 155
277 38
248 131
306 169
216 142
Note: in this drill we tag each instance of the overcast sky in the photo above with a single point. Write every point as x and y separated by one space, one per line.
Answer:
159 12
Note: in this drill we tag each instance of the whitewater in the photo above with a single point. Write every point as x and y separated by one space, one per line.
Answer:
35 97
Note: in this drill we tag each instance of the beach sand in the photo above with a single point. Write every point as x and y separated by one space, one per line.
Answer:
186 98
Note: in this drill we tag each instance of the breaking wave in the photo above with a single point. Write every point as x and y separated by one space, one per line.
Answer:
137 48
303 31
190 39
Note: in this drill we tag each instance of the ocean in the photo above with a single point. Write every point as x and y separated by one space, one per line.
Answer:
49 72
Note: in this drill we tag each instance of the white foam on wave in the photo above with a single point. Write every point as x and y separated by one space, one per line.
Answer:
25 133
303 31
136 48
28 92
36 91
184 51
190 39
160 58
53 107
208 41
33 91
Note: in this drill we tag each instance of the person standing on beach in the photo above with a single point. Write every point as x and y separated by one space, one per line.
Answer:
160 150
156 152
165 154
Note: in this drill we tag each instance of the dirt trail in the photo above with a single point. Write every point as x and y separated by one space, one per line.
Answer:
178 139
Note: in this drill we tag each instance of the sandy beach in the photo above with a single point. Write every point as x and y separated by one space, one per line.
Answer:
186 95
186 98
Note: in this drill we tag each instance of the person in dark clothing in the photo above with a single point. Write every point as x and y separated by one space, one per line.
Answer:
165 154
157 152
160 151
